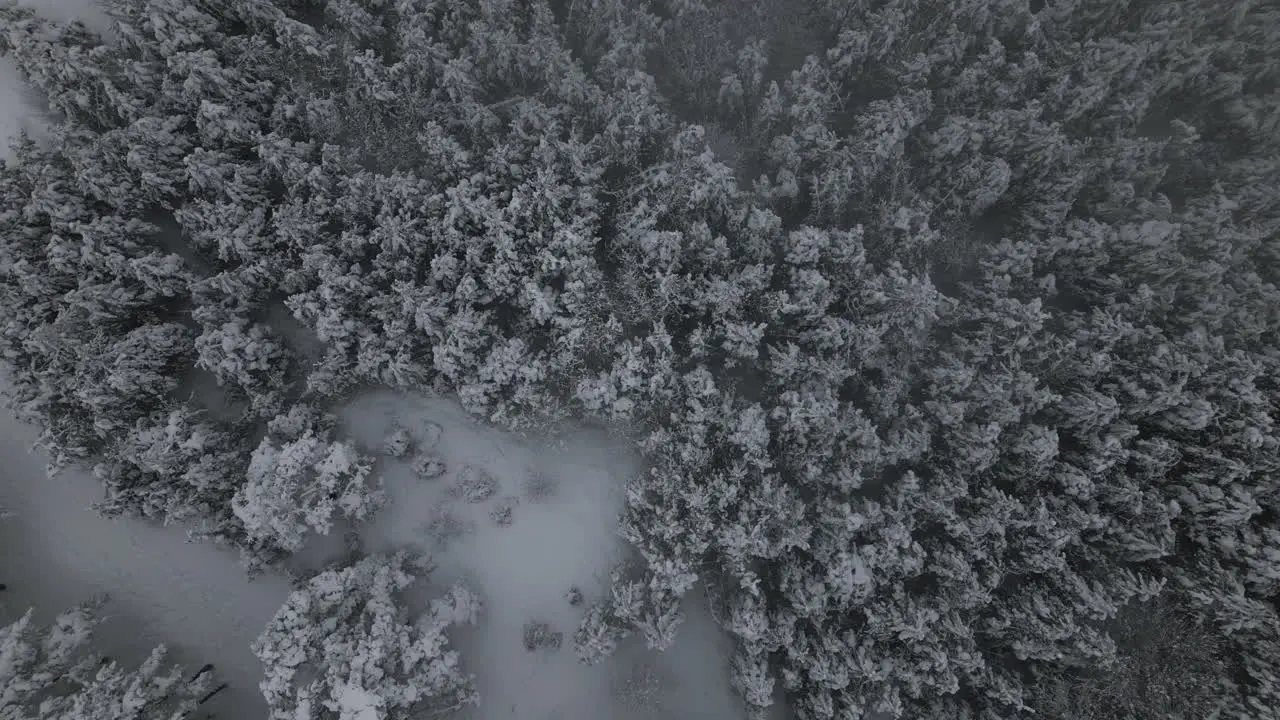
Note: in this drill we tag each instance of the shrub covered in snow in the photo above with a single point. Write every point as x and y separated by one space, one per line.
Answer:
298 484
475 484
429 467
442 527
539 635
503 511
53 673
398 443
343 645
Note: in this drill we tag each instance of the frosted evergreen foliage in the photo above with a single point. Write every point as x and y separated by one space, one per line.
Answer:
55 673
342 646
947 330
300 483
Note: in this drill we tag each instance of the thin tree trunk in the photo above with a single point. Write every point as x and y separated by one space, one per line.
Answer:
207 667
211 693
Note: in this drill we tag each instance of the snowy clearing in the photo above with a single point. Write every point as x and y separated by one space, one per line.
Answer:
525 521
563 504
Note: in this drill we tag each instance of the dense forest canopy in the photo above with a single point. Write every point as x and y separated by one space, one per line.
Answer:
948 329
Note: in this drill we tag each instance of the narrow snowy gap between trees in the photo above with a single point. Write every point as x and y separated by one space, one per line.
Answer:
56 552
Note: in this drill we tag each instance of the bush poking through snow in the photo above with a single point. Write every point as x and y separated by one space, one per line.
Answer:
503 513
431 433
475 485
342 646
429 467
398 443
539 635
459 606
443 527
574 596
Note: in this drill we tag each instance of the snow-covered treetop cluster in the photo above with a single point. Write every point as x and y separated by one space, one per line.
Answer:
949 329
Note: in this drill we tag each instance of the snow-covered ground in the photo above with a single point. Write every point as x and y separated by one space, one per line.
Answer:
564 499
545 525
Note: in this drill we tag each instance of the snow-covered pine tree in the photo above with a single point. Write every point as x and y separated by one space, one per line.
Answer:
300 480
54 673
342 646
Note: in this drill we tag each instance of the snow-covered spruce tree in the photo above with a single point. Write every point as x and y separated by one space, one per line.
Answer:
33 658
985 423
174 466
143 693
52 673
998 388
90 338
342 646
1167 665
300 480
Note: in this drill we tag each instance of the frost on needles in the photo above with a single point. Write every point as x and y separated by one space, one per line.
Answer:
343 645
948 329
51 673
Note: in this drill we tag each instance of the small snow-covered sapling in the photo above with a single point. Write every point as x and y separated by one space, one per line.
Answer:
502 513
429 467
443 527
431 433
398 443
539 635
574 596
475 485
